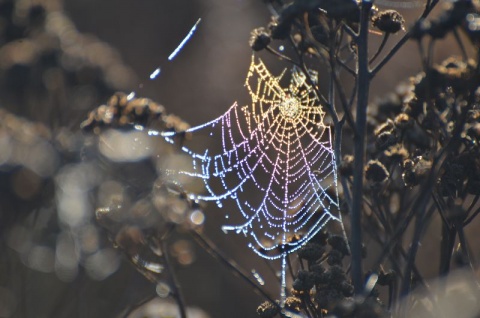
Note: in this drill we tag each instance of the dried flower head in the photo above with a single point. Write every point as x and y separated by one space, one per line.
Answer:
293 304
338 242
388 21
403 121
385 140
335 257
259 39
376 172
304 281
311 252
267 310
396 153
387 126
415 170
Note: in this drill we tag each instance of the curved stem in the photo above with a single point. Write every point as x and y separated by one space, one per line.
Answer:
381 47
428 8
217 254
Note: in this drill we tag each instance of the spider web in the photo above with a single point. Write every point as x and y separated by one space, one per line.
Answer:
279 148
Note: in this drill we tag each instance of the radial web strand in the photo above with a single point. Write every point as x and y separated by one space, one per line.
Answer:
274 160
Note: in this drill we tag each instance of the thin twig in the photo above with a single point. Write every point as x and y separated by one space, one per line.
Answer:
420 224
464 246
471 217
381 47
210 247
174 284
282 56
428 8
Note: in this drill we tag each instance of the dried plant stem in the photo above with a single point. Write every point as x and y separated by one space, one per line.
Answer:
177 294
359 149
381 47
428 8
421 218
210 247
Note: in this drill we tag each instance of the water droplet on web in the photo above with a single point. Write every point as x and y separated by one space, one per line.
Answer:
281 48
100 213
155 73
197 217
184 41
131 96
258 277
148 265
163 290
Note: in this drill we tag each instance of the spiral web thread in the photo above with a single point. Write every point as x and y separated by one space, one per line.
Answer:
279 147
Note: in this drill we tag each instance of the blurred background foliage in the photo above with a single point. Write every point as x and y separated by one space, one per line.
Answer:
59 60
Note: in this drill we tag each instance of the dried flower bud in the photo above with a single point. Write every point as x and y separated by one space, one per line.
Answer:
337 274
346 288
329 298
124 111
317 269
339 243
334 258
293 304
388 21
294 238
259 39
415 170
375 171
311 252
397 153
320 238
403 121
387 126
385 140
267 310
304 281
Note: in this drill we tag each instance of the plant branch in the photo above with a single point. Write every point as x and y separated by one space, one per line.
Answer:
177 294
210 247
359 148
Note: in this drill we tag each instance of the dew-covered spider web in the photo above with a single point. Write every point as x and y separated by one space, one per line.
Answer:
274 160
